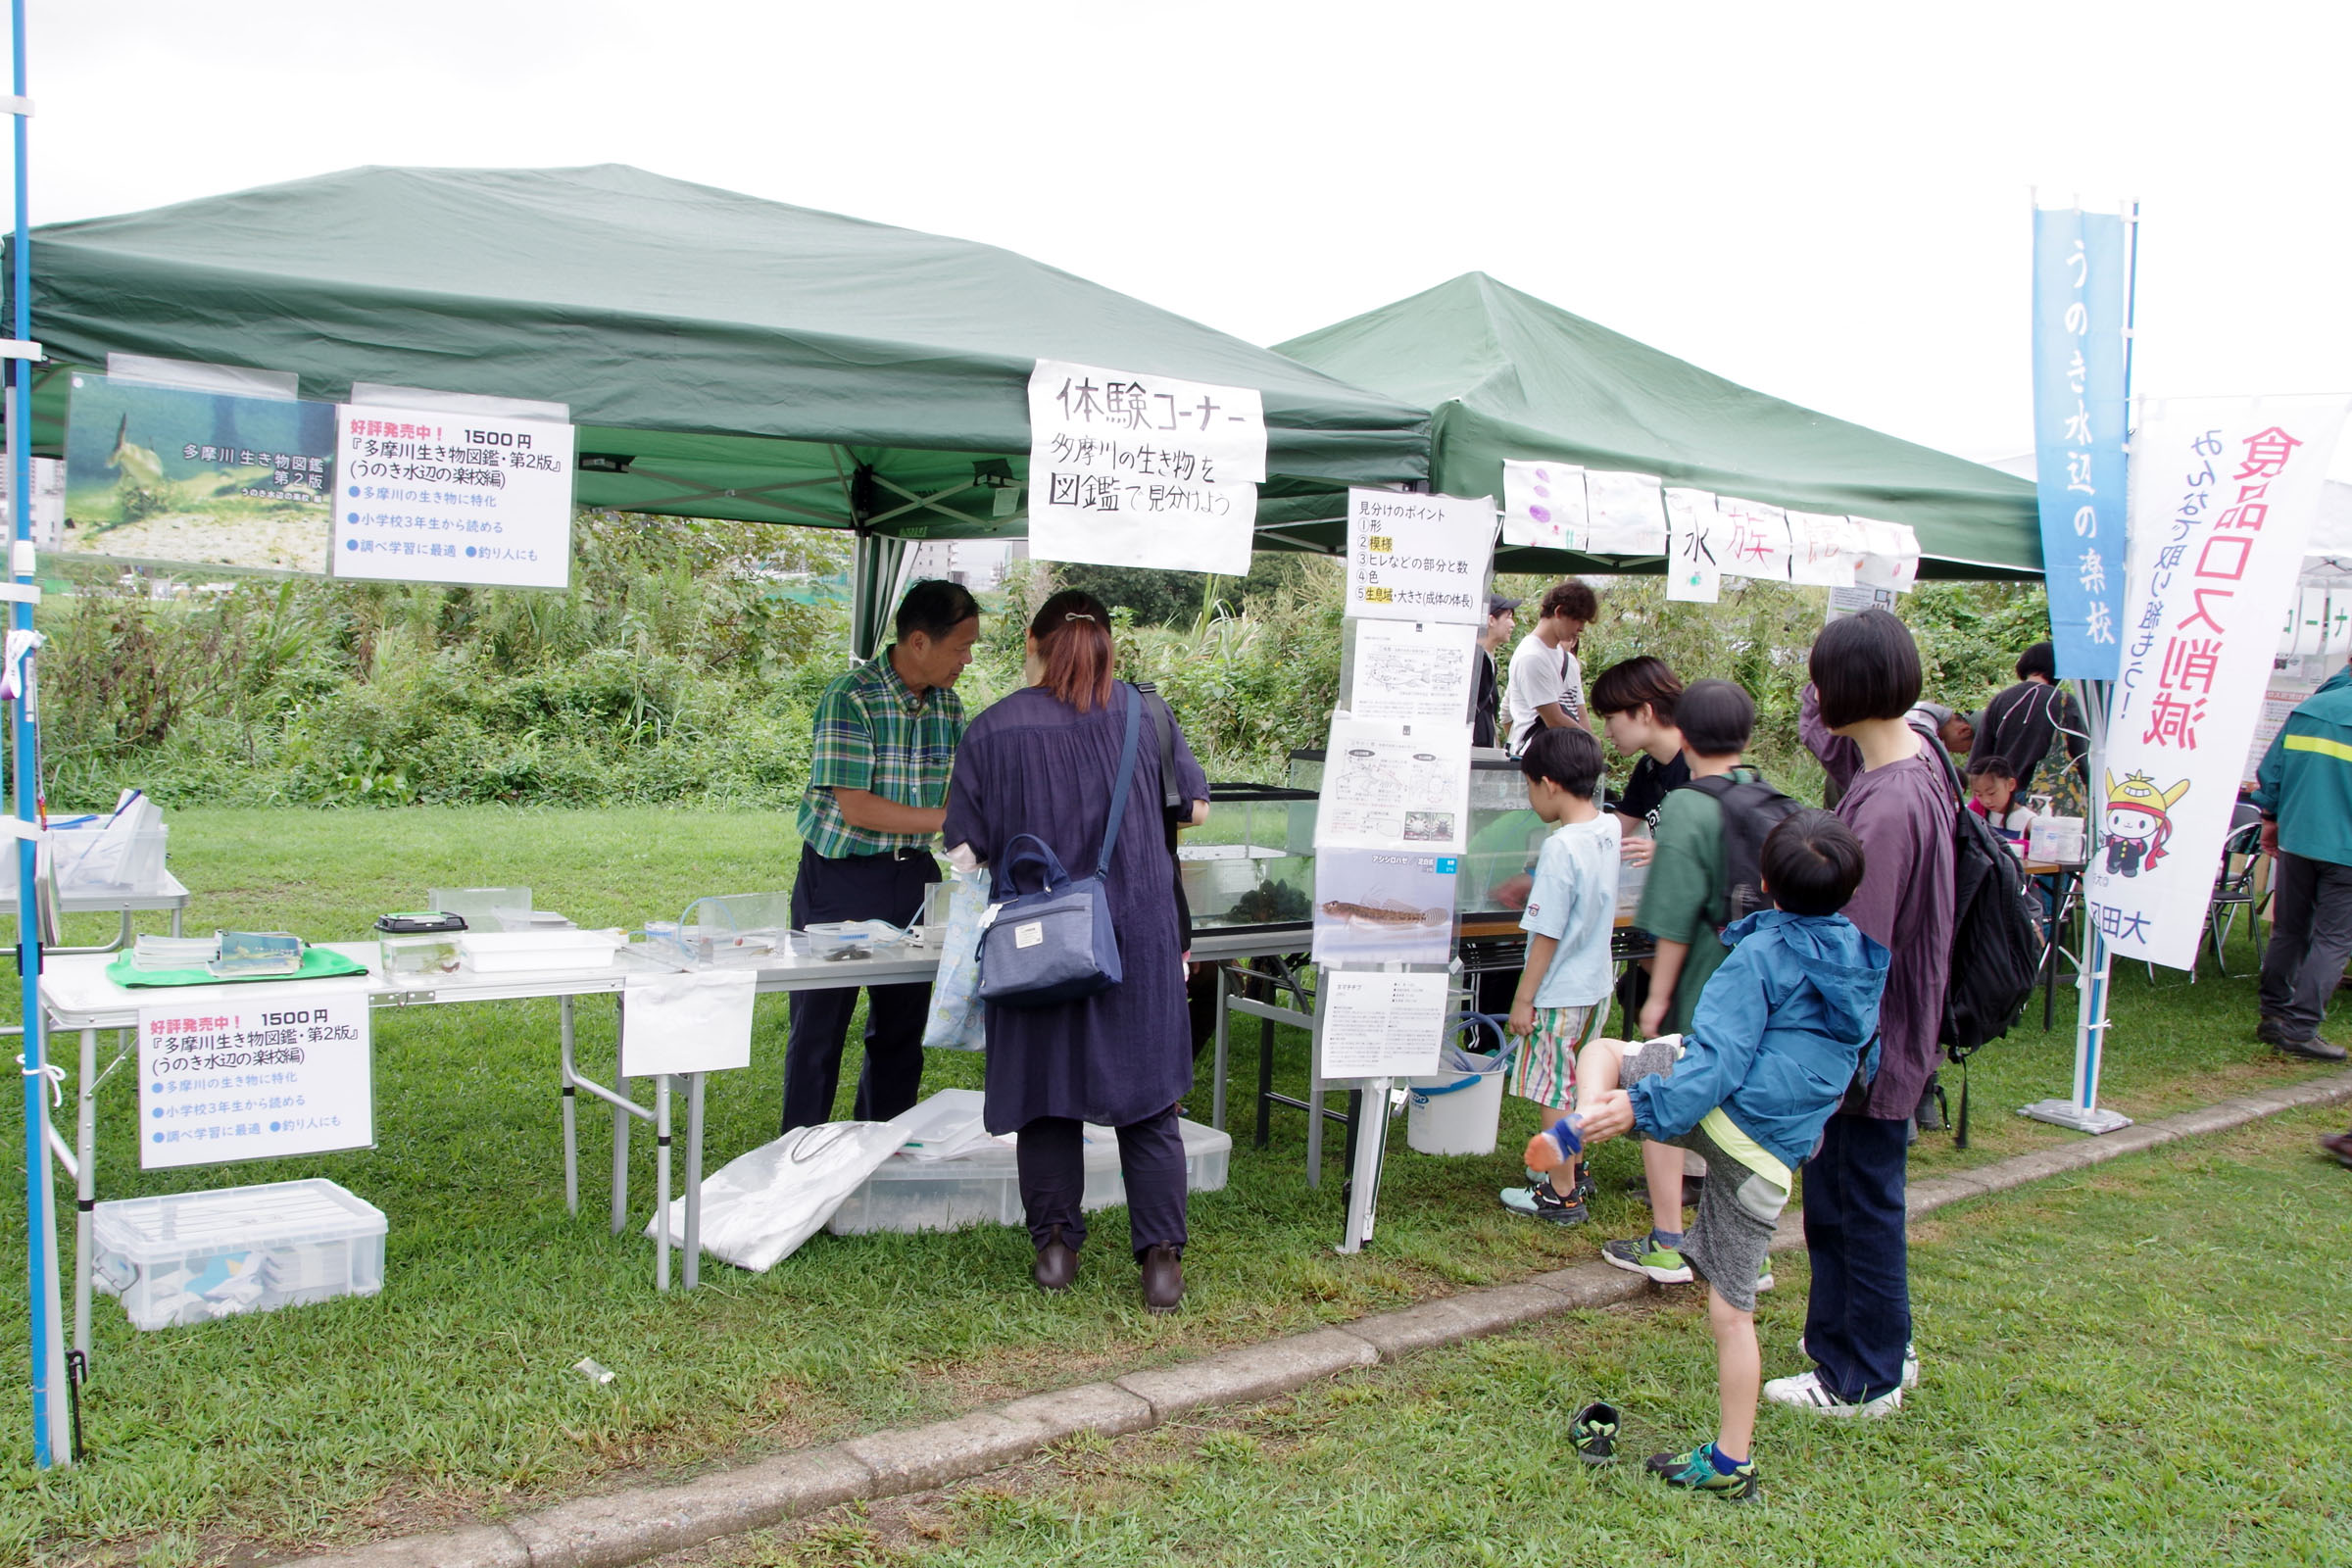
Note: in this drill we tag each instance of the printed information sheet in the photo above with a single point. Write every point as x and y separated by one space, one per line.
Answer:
1395 786
1382 1025
1413 669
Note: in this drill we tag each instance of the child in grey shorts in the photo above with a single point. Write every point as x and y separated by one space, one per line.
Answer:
1783 1029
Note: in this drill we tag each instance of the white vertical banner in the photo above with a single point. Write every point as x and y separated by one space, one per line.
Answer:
254 1072
2224 491
1130 469
1692 573
1543 505
1418 557
424 495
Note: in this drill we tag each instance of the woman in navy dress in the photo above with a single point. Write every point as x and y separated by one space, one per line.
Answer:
1043 761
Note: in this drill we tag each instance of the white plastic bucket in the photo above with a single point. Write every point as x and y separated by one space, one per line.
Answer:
1458 1116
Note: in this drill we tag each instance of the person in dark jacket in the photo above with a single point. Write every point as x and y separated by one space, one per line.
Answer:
1043 761
2037 727
1486 700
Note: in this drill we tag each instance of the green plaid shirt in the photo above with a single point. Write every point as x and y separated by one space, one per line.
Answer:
873 732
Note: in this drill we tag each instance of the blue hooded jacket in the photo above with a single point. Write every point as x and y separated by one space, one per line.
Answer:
1776 1034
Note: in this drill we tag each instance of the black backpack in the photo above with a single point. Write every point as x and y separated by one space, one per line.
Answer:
1997 944
1751 809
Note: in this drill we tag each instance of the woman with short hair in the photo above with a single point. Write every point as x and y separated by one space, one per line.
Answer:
1043 761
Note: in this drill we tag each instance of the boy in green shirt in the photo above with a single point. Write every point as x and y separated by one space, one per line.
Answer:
1683 910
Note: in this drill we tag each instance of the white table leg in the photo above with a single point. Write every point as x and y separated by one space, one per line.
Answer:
572 1119
662 1181
692 1267
1314 1096
1216 1102
620 1123
85 1186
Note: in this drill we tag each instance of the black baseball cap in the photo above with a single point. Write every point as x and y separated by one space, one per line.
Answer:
1496 603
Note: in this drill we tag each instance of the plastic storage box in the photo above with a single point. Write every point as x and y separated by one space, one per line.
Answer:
984 1186
92 864
189 1258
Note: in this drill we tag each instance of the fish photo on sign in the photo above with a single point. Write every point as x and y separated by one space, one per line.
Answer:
1384 906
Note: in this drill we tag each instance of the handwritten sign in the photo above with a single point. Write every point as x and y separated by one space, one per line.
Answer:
1626 514
2223 500
428 496
1692 573
1418 557
1543 505
1128 469
254 1072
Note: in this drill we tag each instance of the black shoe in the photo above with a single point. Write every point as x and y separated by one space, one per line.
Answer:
1056 1266
1163 1278
2312 1050
1595 1433
2269 1032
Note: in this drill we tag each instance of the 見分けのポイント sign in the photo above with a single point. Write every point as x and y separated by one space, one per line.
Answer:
1418 557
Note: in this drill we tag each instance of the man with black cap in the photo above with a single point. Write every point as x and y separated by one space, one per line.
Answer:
1487 699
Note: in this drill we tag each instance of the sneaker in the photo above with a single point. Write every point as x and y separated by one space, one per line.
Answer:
1910 1359
1637 1255
1806 1392
2312 1049
1764 1280
1538 1201
1696 1472
2340 1145
1593 1432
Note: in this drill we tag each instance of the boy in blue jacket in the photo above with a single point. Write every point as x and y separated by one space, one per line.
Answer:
1783 1029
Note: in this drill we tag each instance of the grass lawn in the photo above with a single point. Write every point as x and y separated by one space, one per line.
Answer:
451 1394
2109 1377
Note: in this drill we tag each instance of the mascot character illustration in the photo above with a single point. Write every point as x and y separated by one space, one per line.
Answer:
2138 822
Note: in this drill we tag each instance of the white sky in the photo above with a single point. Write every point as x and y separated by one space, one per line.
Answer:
1826 202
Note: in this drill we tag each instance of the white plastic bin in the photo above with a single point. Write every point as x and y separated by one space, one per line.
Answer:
125 864
984 1186
189 1258
514 952
1459 1114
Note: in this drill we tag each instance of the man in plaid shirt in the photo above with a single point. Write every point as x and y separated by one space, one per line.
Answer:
884 744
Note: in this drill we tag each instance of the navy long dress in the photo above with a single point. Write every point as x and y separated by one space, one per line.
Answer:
1032 763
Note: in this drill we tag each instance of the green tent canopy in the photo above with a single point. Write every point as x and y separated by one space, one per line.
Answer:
723 356
1511 376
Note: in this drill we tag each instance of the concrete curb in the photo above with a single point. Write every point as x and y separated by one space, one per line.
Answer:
621 1528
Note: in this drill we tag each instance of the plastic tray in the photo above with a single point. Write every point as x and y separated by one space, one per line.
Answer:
984 1187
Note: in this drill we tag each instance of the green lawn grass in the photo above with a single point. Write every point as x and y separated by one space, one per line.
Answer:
2112 1374
451 1394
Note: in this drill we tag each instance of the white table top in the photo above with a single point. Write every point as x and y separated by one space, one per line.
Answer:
77 994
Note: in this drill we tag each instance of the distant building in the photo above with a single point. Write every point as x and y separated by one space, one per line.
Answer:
976 563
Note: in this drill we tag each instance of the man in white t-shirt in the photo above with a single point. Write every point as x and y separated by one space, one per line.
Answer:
1548 684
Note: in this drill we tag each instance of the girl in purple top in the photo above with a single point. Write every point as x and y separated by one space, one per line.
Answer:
1901 807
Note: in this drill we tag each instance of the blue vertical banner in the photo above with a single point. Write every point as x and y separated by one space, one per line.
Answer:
2080 267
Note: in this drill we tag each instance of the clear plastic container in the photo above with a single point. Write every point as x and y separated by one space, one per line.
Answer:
190 1257
93 862
1253 864
484 908
538 952
420 954
984 1186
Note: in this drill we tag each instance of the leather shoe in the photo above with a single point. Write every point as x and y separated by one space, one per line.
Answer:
1056 1266
1163 1278
2313 1050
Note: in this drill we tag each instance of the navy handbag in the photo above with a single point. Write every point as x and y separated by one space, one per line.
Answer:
1057 944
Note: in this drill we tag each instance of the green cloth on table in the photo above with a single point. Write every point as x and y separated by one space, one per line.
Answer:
317 963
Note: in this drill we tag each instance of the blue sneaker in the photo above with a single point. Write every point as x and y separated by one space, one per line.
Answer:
1696 1472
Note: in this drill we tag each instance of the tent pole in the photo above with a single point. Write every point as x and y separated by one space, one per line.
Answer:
52 1435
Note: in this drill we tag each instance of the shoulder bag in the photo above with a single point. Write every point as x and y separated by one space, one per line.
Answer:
1057 944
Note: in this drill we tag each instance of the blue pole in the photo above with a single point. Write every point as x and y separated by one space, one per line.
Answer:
39 1244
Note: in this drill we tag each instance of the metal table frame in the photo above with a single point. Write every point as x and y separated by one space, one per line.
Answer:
76 996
